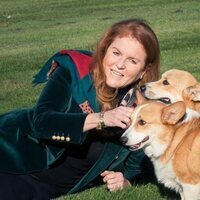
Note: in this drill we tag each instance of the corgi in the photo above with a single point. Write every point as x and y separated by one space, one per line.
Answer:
171 139
174 85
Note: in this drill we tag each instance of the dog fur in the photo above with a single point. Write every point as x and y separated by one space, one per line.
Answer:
174 85
171 139
191 97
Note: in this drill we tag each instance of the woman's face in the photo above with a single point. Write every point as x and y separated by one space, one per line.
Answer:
124 62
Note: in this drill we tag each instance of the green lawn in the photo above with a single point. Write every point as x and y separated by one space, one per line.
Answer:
31 31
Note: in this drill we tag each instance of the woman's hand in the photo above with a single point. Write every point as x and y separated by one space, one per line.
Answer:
117 117
120 117
114 180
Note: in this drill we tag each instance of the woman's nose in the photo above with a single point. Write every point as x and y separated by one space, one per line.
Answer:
120 64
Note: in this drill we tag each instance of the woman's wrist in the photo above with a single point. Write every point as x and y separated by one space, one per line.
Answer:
94 121
101 123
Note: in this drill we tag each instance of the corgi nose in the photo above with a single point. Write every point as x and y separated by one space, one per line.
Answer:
124 140
142 88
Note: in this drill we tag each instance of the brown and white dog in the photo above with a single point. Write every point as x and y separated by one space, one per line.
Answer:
174 85
171 140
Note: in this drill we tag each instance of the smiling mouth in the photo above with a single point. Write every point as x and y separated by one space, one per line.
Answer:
138 145
116 72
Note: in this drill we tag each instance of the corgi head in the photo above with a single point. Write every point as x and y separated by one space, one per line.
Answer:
170 87
153 125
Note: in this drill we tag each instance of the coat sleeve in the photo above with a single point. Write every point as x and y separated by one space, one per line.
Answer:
56 115
134 166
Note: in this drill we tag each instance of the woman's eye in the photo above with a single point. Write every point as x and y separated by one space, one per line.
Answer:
133 61
141 122
116 53
165 82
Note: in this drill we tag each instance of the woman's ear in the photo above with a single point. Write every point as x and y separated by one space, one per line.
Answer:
143 73
146 69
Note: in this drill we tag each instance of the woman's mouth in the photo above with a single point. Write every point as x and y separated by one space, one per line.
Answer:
116 73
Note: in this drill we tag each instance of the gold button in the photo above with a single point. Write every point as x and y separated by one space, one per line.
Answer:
58 137
67 139
62 138
54 137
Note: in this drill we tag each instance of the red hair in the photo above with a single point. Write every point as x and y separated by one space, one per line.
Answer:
138 29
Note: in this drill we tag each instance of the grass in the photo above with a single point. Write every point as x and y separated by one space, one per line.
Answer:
31 31
143 192
151 193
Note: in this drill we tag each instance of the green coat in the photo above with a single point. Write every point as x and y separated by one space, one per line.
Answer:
32 139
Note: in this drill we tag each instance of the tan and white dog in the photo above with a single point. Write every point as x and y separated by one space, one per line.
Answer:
171 139
174 85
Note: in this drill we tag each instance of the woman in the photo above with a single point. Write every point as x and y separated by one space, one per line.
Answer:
59 146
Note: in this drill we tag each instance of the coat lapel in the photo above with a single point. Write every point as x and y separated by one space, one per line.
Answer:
90 93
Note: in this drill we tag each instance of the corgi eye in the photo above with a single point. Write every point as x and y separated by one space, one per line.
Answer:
165 82
141 122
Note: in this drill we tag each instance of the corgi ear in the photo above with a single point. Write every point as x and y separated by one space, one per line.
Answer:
140 99
173 113
192 92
